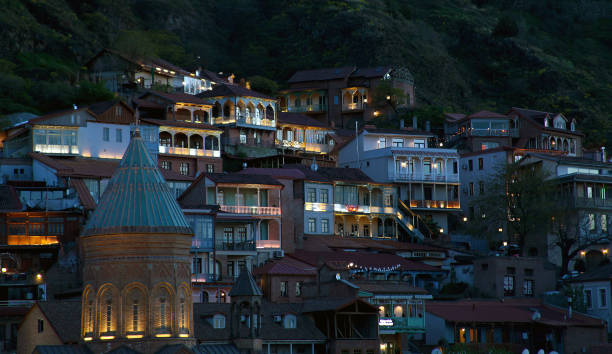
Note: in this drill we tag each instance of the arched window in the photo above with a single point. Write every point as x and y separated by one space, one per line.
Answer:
247 112
108 320
163 313
135 315
218 321
89 312
90 317
135 306
182 314
290 321
108 311
162 310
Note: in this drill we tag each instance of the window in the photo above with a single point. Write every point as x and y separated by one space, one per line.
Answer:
41 326
109 315
470 165
118 136
284 285
366 230
528 287
419 143
335 99
603 298
243 138
591 222
290 321
298 288
312 225
166 165
480 163
603 222
218 321
135 315
471 188
325 226
588 298
184 168
312 195
508 285
397 142
105 134
481 187
210 168
382 143
455 167
427 167
323 196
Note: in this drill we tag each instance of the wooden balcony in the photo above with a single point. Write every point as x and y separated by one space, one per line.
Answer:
171 150
312 108
392 325
434 204
251 210
398 176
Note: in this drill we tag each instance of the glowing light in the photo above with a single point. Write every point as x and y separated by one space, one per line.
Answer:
365 100
163 335
465 219
441 144
500 229
582 253
107 337
376 113
158 69
385 322
134 336
351 264
87 339
183 335
505 243
441 230
3 269
388 97
39 276
604 251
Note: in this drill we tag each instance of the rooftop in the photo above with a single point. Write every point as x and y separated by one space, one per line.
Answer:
232 90
137 199
299 119
341 259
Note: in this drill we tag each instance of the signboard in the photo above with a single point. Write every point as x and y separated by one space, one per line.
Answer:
386 322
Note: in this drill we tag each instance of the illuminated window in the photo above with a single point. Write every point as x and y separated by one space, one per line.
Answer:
325 226
184 168
298 288
528 287
243 137
109 315
135 314
162 313
284 285
312 195
182 311
508 285
323 195
210 168
166 165
419 143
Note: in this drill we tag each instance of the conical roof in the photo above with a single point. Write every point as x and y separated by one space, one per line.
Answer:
137 199
245 285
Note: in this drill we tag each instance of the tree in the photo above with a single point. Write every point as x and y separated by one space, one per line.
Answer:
506 27
518 197
569 232
263 85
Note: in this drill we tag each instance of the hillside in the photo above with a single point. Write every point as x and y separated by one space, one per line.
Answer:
465 55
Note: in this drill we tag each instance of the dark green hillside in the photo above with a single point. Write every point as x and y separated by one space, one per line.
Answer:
465 55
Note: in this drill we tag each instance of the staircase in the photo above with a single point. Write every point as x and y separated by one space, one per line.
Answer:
411 222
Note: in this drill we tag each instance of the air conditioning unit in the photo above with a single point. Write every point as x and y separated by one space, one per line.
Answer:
279 254
277 318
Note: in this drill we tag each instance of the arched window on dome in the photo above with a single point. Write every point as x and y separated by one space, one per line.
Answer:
135 307
183 313
89 312
108 307
162 300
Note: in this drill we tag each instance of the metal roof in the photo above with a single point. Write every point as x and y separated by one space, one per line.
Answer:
137 199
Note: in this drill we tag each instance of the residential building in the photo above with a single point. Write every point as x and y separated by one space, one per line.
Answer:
427 176
248 119
480 131
586 187
283 280
513 324
302 139
248 224
338 97
508 276
126 74
596 290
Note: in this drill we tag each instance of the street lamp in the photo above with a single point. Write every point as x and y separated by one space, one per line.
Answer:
465 219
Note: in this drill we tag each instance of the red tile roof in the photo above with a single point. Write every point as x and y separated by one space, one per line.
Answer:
486 114
361 259
9 199
176 97
315 242
240 178
286 266
510 310
299 119
85 197
280 173
181 124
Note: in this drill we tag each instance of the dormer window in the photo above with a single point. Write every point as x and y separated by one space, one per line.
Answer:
290 321
546 122
218 321
559 123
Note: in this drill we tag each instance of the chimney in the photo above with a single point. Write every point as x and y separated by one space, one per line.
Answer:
401 124
427 126
414 122
603 154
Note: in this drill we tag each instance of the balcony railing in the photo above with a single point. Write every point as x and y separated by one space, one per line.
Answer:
402 324
173 150
310 147
203 277
57 149
365 209
307 108
429 177
435 204
19 303
353 106
268 244
511 132
252 210
235 246
593 203
249 141
242 120
200 243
